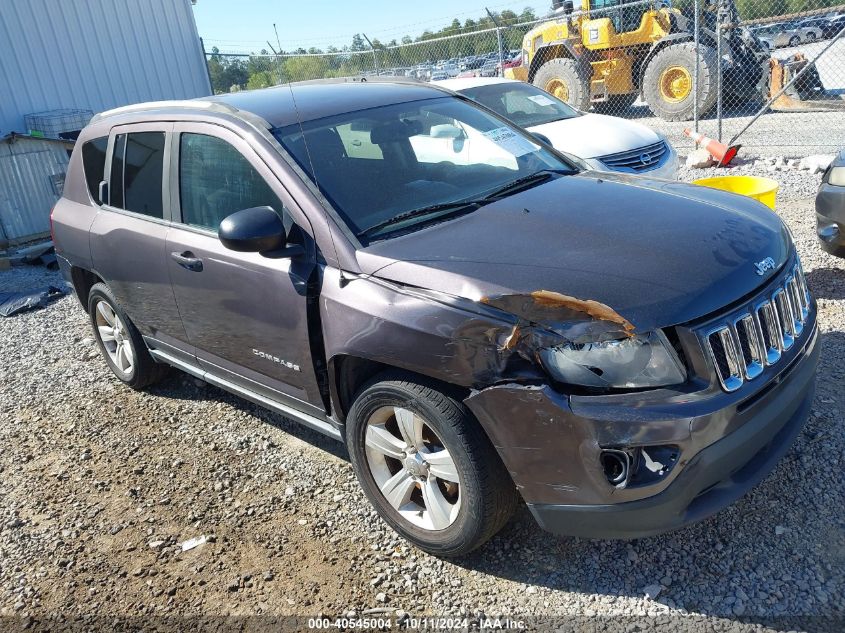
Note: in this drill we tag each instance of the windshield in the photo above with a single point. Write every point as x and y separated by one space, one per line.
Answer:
379 163
521 103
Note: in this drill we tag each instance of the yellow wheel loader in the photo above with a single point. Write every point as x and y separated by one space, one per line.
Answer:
608 53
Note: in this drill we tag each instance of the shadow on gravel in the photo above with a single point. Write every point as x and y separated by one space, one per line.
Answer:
827 283
180 386
642 111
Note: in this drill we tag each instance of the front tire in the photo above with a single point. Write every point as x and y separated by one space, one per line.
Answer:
565 79
668 85
426 465
120 342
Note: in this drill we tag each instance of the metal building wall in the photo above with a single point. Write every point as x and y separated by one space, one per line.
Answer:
31 176
96 55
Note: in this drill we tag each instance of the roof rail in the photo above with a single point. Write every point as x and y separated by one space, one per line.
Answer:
359 79
188 104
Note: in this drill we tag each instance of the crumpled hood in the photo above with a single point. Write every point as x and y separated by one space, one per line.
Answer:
594 135
658 253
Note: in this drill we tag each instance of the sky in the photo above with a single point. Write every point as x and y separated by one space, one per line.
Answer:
246 25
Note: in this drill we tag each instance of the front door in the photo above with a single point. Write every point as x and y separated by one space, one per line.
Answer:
246 315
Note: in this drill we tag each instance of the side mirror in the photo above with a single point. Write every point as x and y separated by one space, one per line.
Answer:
103 192
257 230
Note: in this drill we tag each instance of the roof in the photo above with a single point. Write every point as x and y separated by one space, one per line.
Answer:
291 103
288 104
462 83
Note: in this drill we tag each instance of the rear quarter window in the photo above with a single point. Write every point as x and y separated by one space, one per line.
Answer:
94 164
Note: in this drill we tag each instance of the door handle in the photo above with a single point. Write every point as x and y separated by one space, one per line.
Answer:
187 260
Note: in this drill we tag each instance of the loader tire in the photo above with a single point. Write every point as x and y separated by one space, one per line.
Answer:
667 82
565 79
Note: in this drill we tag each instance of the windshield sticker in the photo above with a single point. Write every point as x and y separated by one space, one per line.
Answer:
510 141
542 100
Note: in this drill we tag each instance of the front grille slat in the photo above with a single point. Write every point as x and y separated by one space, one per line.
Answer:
741 348
787 321
770 330
638 159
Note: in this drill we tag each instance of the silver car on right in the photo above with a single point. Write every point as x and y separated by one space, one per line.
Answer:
782 34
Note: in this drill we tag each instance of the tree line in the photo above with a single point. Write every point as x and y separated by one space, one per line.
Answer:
271 67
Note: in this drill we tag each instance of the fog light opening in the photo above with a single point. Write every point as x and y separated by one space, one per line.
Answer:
617 467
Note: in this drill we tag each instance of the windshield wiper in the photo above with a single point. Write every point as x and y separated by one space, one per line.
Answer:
455 206
526 181
458 206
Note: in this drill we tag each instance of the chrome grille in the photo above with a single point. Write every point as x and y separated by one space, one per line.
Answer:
755 339
636 160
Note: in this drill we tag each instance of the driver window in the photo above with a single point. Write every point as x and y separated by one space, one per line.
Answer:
215 180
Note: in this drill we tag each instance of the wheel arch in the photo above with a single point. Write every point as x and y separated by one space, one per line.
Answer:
83 280
547 52
348 373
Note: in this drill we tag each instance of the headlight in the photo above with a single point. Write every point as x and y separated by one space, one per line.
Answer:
837 177
643 360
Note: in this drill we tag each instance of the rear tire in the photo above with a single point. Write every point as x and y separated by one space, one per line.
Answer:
120 342
667 82
565 79
794 40
411 442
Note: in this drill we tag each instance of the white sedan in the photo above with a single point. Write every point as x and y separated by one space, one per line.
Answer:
606 143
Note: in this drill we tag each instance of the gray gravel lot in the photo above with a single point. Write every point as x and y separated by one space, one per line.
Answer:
99 486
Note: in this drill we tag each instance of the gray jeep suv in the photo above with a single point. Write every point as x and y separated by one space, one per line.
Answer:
478 317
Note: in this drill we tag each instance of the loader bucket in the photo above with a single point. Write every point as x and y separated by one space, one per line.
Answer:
807 94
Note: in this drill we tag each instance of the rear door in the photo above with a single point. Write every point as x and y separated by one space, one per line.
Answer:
128 234
246 315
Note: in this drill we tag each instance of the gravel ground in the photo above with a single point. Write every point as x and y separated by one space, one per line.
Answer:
101 485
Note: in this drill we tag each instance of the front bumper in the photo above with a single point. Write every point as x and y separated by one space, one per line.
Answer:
550 444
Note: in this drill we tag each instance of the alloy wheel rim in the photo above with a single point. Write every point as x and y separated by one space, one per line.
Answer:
115 338
412 468
675 84
559 89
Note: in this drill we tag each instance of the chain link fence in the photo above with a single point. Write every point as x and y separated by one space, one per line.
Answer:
769 74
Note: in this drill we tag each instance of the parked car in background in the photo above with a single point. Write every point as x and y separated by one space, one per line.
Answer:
783 34
806 32
830 208
605 143
835 25
472 64
824 25
439 75
626 356
489 69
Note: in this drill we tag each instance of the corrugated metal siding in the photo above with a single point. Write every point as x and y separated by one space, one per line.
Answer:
95 54
27 192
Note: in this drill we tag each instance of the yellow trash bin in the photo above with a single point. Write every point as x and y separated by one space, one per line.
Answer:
763 189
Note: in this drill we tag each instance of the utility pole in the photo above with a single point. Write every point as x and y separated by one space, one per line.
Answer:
375 59
279 54
499 39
